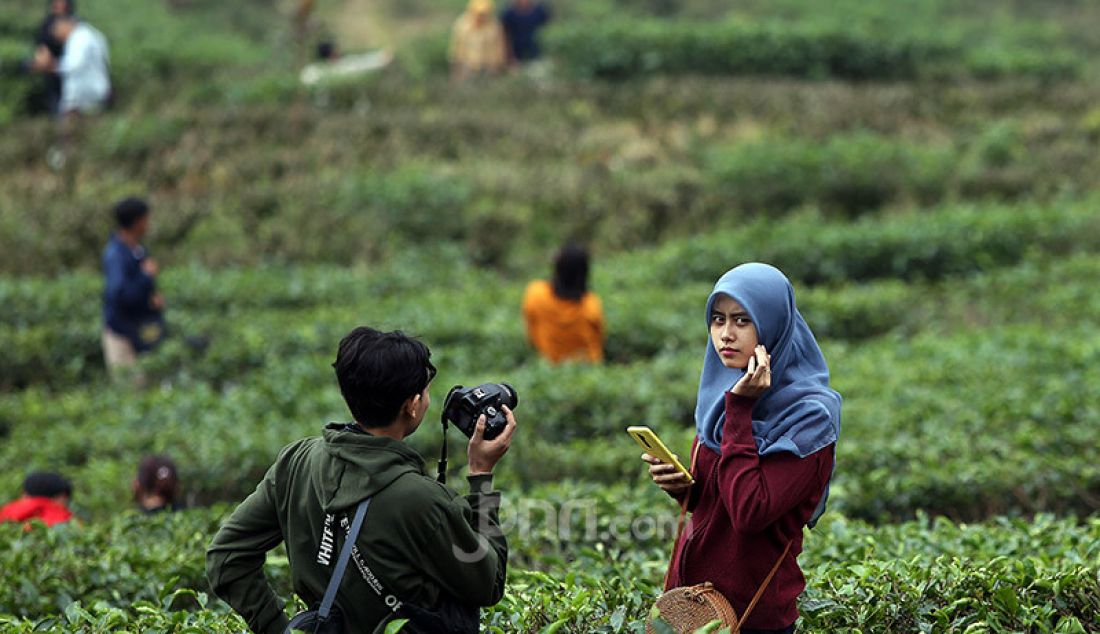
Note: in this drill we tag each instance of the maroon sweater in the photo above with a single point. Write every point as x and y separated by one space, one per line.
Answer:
745 508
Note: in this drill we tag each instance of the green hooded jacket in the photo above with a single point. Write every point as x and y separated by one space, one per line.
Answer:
420 538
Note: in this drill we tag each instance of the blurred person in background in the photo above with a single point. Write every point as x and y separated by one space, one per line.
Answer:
478 45
46 497
564 319
767 423
47 51
156 487
133 310
82 67
522 21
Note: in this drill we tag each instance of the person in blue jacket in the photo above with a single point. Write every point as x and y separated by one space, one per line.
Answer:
133 310
522 21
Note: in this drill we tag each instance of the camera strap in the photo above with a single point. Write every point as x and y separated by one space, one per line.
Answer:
441 475
342 561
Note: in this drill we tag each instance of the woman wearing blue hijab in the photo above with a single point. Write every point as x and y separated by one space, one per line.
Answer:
766 428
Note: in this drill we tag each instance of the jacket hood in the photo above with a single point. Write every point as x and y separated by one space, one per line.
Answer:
356 465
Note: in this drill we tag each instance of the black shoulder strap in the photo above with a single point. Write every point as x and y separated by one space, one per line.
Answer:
342 561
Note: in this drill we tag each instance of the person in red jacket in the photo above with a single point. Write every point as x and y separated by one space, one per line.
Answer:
767 423
46 498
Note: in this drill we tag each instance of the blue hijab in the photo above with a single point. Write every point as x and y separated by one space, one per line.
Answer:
800 413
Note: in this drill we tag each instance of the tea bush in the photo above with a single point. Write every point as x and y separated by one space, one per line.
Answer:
853 173
273 335
630 48
627 48
16 27
958 239
50 329
237 160
296 182
241 206
147 573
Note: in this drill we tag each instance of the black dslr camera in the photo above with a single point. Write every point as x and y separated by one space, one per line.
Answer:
465 404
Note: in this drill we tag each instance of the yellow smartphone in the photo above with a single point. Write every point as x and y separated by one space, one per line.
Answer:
654 447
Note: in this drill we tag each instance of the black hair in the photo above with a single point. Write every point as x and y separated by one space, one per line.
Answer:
70 7
378 371
571 272
130 210
46 484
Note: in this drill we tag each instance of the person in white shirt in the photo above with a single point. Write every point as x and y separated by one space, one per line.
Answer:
85 83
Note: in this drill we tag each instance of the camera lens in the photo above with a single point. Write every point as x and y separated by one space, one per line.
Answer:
511 398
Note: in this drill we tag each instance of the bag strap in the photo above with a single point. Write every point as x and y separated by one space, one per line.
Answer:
760 590
683 514
342 561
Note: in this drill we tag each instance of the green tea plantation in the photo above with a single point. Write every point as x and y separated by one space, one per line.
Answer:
926 172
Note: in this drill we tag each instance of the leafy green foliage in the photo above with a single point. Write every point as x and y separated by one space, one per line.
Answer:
853 174
146 574
265 380
913 246
631 48
246 166
627 48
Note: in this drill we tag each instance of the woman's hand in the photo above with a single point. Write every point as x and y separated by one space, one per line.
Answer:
668 477
758 376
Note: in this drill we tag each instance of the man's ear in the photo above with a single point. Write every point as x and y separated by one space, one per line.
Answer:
410 405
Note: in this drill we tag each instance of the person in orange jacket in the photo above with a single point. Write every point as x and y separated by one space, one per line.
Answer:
46 498
564 319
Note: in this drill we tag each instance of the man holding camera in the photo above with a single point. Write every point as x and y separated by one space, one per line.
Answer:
423 551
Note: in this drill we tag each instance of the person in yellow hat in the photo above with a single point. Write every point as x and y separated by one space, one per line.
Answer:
478 45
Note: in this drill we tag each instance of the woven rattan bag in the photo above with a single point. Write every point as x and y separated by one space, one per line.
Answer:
689 608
